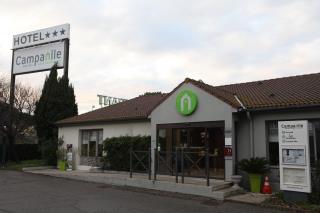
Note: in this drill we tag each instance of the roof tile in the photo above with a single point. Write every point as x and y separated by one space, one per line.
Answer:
133 109
294 91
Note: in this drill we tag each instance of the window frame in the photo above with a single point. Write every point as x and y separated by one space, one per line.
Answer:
90 131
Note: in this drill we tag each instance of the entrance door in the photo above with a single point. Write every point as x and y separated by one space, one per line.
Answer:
194 140
215 140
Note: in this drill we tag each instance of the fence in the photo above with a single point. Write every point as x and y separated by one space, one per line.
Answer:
140 161
183 162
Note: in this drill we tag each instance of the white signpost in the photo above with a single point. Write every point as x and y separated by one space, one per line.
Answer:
294 158
38 51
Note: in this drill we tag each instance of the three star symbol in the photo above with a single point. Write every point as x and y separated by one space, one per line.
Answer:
62 31
55 33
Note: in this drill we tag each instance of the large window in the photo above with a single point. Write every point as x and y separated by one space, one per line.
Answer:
91 143
273 143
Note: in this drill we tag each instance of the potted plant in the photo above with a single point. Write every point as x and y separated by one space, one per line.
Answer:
255 167
61 155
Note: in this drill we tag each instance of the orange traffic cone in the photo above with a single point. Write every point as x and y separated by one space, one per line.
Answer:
266 189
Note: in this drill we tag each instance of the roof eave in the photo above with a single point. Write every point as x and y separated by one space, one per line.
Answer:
99 122
273 108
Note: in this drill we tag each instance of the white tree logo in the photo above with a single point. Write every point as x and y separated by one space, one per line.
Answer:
186 102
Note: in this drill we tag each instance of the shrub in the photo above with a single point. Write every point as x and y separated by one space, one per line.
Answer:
28 151
49 151
314 196
24 151
117 150
61 151
255 165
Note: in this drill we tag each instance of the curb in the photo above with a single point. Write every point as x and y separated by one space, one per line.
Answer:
37 168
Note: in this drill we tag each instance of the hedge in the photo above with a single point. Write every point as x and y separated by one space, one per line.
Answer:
25 151
117 150
314 196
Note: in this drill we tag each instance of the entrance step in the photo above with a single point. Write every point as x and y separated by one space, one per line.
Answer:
226 192
96 169
221 185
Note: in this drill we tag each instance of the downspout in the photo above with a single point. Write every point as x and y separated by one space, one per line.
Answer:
250 125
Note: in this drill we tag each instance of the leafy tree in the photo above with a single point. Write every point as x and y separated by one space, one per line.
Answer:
56 102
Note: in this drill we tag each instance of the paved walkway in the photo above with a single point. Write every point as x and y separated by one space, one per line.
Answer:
125 175
31 193
195 186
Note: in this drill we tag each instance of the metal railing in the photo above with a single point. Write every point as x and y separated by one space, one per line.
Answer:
140 160
181 161
165 162
177 163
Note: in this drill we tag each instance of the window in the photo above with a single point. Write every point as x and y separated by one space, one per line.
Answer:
314 141
273 143
91 143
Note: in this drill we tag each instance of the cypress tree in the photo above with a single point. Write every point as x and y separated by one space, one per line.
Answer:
57 102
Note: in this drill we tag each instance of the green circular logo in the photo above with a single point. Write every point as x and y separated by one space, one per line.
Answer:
186 102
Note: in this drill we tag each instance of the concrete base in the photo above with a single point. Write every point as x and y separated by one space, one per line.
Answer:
218 190
253 198
295 196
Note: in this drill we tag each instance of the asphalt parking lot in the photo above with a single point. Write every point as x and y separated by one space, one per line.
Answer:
24 192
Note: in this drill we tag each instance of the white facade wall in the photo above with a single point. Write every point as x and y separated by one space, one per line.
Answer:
209 108
71 134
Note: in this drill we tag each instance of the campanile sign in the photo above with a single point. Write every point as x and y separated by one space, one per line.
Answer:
39 50
38 58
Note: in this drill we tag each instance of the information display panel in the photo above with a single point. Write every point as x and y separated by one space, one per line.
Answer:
294 157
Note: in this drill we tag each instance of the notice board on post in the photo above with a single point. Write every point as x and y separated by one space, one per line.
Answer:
294 157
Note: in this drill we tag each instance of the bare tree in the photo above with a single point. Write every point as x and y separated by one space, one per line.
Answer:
24 106
25 96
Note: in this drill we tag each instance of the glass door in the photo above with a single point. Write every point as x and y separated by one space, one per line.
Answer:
194 140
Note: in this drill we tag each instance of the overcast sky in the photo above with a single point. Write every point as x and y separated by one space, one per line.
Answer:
124 48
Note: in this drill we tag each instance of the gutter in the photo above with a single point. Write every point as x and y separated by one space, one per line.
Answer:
249 116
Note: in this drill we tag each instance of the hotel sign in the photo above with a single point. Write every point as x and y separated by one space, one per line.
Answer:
38 58
186 102
37 37
294 158
40 50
